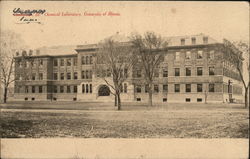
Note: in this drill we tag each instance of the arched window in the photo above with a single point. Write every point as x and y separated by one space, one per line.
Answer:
90 88
87 88
125 88
87 60
87 74
104 91
83 88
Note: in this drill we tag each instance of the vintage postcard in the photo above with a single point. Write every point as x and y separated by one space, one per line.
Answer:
124 79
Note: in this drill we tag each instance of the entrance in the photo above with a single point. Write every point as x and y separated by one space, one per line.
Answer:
104 91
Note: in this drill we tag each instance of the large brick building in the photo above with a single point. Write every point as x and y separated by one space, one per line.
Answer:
194 69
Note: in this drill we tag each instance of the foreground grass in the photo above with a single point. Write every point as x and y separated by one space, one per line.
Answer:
126 124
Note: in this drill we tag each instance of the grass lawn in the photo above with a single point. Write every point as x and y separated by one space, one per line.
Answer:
191 122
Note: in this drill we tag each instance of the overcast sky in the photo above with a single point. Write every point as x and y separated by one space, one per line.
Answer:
217 19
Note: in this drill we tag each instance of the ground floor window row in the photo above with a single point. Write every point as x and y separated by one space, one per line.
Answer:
199 87
166 99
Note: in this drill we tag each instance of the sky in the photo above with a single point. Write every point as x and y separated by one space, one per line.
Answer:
219 20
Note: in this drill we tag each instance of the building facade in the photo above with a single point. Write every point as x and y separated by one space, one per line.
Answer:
194 69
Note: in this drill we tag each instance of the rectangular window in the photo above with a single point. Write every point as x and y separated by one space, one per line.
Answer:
31 63
177 71
188 100
24 64
193 41
211 54
211 87
138 73
188 71
138 89
146 88
83 74
199 99
55 89
199 54
188 55
165 88
156 88
40 76
68 75
90 74
68 89
165 73
91 60
33 89
199 71
62 62
177 88
83 88
199 87
125 88
62 76
125 73
33 76
55 76
90 88
75 75
87 74
40 89
26 89
83 60
156 73
75 61
211 71
188 87
55 62
75 89
138 99
69 62
87 88
61 89
177 56
182 41
205 40
40 62
164 99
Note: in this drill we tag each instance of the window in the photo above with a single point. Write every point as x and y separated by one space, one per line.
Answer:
33 76
199 71
87 60
177 71
211 87
164 99
90 60
83 74
87 74
125 88
165 73
156 73
188 100
199 99
87 88
199 87
83 88
55 62
55 76
68 75
40 62
165 88
75 89
83 60
199 54
138 99
182 41
24 64
188 87
156 88
188 55
61 89
125 73
90 74
211 55
75 61
33 98
121 88
177 56
138 89
193 41
177 87
40 89
55 89
26 98
211 71
62 62
108 73
62 76
90 88
68 89
205 40
138 73
32 63
33 89
188 71
146 88
26 89
40 76
68 62
75 75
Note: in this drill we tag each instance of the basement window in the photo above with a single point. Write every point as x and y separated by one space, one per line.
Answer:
25 98
138 99
199 99
32 98
188 100
164 99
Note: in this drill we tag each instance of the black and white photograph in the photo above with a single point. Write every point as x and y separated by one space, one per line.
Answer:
124 79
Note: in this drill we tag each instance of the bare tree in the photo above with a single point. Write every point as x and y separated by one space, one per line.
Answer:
149 49
10 42
114 61
236 51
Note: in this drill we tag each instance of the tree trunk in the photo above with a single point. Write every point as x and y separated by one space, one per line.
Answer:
115 100
150 95
246 97
5 94
119 101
